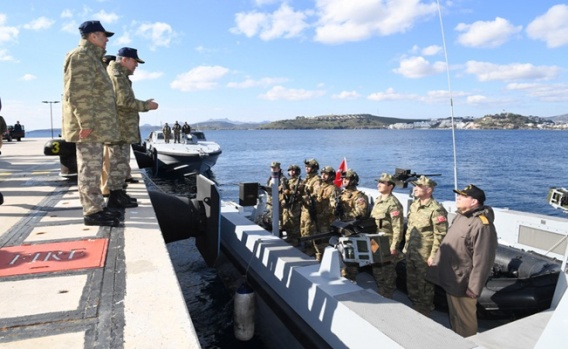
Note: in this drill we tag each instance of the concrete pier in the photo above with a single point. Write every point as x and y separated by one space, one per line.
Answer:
67 285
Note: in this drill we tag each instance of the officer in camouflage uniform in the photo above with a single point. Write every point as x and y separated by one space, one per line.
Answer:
177 132
282 184
167 131
89 117
309 224
325 204
128 108
291 205
387 213
426 227
353 204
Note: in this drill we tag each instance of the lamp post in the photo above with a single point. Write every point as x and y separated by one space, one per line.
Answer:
51 113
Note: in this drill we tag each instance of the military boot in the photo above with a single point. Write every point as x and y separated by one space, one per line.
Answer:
101 219
117 199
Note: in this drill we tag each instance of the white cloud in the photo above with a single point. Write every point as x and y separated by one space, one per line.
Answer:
264 82
141 74
28 77
290 94
5 56
552 27
282 23
543 92
160 34
515 71
7 33
486 33
199 78
477 99
66 14
346 95
431 50
122 40
106 18
418 67
40 23
389 95
347 20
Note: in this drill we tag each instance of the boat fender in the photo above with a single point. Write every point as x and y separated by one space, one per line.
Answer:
244 313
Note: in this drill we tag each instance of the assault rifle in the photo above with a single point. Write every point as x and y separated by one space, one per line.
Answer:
338 212
402 177
313 211
292 199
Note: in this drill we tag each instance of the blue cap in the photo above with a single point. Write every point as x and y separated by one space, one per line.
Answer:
93 27
129 52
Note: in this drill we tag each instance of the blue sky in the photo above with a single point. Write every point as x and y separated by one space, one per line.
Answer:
262 60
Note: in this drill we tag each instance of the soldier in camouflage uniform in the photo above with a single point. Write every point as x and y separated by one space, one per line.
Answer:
427 225
282 184
325 204
167 131
291 205
89 117
387 213
353 204
309 224
177 132
128 108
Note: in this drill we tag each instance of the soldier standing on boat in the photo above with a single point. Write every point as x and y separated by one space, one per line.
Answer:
186 130
177 132
427 226
90 118
282 184
388 215
167 131
465 258
291 205
353 205
325 203
308 216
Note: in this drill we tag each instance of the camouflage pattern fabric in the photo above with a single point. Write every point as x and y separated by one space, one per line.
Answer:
88 97
388 213
354 203
89 168
177 132
106 171
291 210
167 130
127 105
307 224
427 226
325 206
119 158
282 184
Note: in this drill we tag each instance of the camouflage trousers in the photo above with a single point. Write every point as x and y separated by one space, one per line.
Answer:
116 167
385 277
89 168
307 228
420 291
291 224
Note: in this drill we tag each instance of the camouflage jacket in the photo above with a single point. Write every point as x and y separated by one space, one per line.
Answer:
88 97
388 214
354 203
282 184
325 205
126 104
427 226
310 185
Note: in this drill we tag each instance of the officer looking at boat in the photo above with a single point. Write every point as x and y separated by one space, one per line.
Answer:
352 204
308 216
426 227
388 215
167 131
128 107
463 263
90 118
291 205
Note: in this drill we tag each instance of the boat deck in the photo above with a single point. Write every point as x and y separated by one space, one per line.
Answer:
67 285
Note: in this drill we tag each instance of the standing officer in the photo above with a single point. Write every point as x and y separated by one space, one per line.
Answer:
353 204
177 132
465 258
308 217
90 117
128 108
167 131
186 130
427 226
291 205
387 213
282 184
325 203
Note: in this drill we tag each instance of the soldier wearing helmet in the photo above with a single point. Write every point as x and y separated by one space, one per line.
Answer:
426 227
325 198
388 215
282 184
354 203
291 205
308 217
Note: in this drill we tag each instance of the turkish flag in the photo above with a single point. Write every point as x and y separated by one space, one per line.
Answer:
342 168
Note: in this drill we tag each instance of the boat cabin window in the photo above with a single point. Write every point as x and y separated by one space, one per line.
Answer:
199 135
160 136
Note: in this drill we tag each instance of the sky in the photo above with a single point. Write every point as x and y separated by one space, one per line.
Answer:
266 60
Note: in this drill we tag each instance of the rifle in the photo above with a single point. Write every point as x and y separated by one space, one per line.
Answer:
292 199
313 211
402 177
338 212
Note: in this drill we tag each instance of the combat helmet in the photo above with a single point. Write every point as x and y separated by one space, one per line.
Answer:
295 168
329 170
313 163
352 175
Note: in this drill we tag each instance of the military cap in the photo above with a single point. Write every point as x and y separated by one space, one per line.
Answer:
130 53
274 164
423 180
473 191
93 27
385 178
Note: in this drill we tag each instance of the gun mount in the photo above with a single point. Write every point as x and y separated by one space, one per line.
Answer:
402 177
